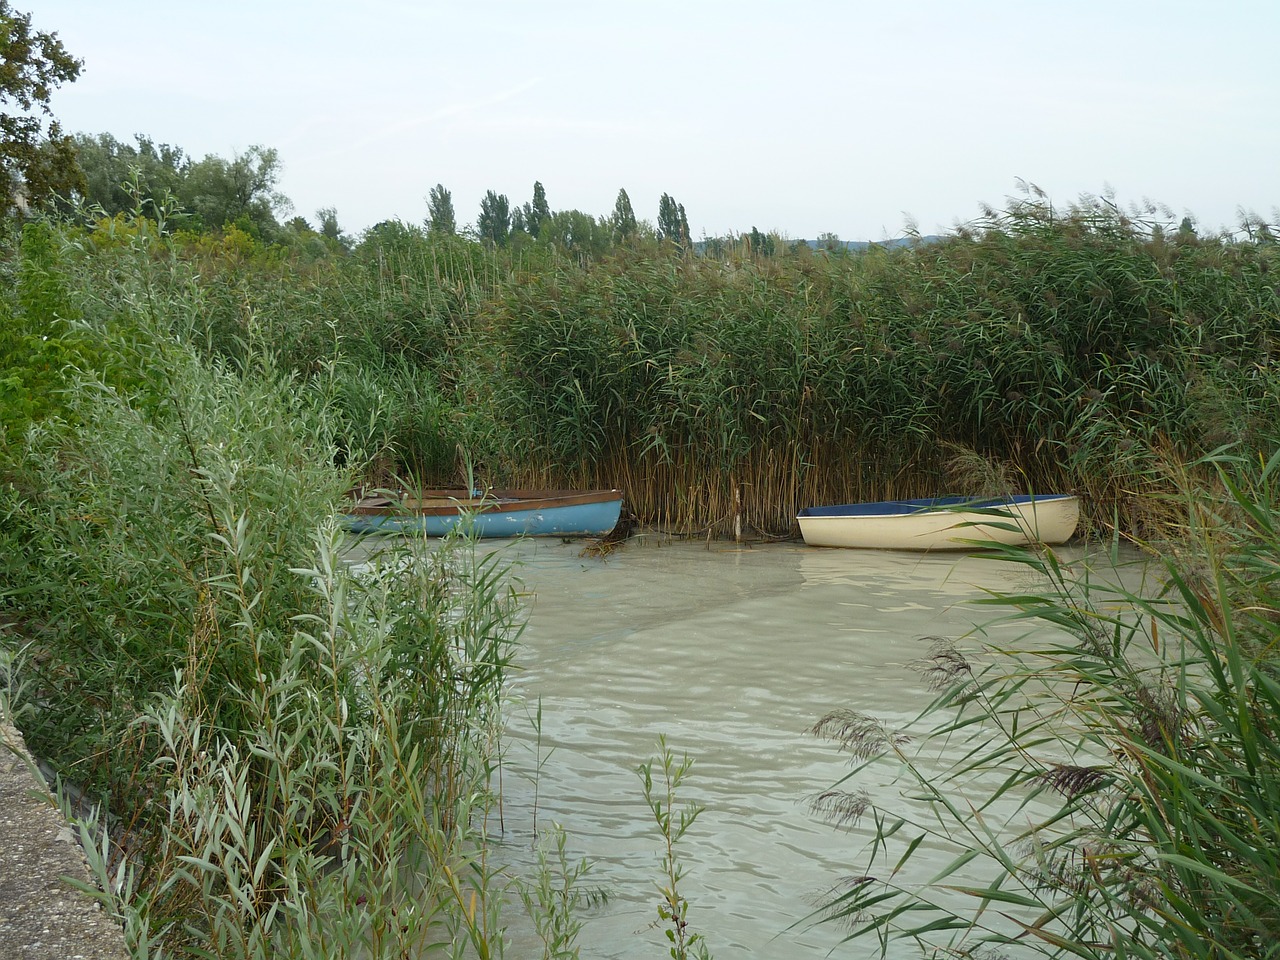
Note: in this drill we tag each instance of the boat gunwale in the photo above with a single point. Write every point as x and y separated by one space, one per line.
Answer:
924 506
446 502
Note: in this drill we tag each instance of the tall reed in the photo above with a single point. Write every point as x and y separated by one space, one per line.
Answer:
1064 345
1112 779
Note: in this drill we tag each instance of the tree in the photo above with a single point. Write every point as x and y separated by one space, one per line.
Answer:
440 219
622 223
761 243
578 233
389 235
114 171
494 225
673 224
535 214
239 190
831 243
668 218
329 229
716 247
35 164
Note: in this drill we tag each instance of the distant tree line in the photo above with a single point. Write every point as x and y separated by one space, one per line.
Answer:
209 193
213 195
502 224
100 176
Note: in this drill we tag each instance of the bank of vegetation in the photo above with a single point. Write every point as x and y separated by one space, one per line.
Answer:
271 736
277 735
1079 350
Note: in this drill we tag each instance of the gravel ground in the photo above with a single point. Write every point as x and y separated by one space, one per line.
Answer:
42 917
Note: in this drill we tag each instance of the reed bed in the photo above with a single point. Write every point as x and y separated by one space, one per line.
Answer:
1072 350
1065 351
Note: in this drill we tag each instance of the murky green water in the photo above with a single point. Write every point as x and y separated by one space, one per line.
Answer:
731 653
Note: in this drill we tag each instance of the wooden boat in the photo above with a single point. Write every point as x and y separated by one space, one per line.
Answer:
493 513
942 523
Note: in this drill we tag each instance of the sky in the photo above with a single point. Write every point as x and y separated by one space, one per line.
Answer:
860 118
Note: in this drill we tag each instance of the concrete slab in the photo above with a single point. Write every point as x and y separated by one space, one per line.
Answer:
42 917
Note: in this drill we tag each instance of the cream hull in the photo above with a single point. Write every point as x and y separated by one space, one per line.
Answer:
950 523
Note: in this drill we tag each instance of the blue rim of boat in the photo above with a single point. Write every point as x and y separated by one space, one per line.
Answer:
903 508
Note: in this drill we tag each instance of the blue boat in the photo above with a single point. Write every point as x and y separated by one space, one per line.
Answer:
491 514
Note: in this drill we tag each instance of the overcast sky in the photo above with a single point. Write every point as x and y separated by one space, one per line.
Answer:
804 116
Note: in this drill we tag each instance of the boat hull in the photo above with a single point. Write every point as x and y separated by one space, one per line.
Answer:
496 514
942 523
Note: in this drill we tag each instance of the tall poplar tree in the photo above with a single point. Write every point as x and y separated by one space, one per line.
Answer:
494 225
440 219
536 213
761 243
673 224
622 222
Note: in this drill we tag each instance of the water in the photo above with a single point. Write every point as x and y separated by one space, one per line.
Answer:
732 653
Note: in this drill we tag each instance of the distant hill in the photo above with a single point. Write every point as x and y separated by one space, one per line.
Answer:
863 244
852 246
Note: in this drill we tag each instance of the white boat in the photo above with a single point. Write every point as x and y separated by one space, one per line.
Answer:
942 523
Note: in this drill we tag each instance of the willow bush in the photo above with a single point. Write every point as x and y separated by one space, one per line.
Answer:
351 822
150 539
277 740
